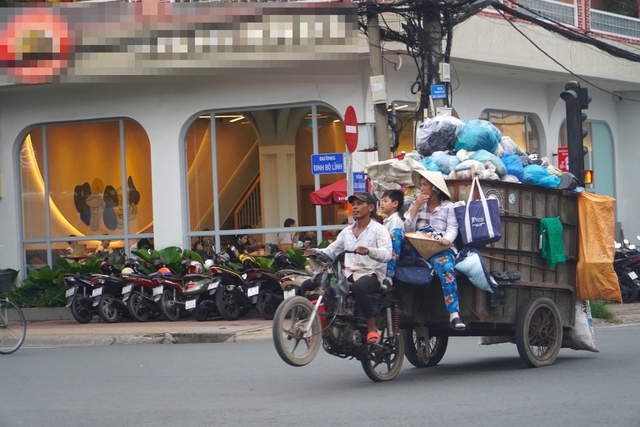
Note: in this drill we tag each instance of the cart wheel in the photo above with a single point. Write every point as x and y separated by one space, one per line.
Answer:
416 348
539 332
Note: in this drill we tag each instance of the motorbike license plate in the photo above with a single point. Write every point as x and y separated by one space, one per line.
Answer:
190 304
96 292
126 289
158 290
633 275
253 291
70 292
289 293
213 285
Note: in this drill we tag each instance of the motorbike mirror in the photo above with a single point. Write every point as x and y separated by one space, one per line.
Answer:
632 246
638 237
618 245
626 241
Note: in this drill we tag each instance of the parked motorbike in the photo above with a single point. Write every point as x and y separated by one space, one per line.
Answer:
107 293
168 292
231 296
333 319
627 258
200 290
78 295
137 293
263 287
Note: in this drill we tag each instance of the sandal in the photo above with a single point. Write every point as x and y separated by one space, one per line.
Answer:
457 325
373 337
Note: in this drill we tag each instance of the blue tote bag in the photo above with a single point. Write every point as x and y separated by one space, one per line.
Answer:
479 220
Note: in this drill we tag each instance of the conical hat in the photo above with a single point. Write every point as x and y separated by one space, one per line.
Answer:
434 178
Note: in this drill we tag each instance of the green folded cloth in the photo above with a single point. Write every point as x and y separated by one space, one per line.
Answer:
551 241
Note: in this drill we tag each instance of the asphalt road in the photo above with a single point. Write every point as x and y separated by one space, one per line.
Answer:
246 384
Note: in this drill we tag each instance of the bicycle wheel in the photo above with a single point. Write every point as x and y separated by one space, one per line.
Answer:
13 327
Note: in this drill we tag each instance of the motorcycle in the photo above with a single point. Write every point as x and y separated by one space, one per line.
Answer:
107 293
230 295
626 261
200 290
263 287
137 293
332 318
168 292
78 295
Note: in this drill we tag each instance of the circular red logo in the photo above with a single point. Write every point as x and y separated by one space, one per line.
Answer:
35 46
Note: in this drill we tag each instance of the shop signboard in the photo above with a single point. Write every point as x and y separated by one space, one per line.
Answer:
563 159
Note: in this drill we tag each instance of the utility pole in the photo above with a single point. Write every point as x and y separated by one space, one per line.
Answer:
431 61
377 70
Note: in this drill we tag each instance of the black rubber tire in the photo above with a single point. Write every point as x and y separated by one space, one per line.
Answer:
385 358
268 302
228 305
168 305
202 314
106 310
628 289
79 312
12 332
539 332
137 309
289 323
437 348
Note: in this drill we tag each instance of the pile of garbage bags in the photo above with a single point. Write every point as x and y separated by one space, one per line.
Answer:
462 150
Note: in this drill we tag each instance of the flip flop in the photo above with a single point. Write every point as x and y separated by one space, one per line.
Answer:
373 337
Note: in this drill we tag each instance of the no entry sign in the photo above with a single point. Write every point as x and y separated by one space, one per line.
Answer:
351 129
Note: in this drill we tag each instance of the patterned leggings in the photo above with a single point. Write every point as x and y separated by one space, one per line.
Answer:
443 263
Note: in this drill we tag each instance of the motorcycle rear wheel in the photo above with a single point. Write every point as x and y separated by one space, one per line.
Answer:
79 312
385 358
201 314
227 304
106 310
137 309
169 306
628 290
268 302
289 324
416 348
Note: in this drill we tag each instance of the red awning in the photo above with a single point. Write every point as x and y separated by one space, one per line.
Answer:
332 194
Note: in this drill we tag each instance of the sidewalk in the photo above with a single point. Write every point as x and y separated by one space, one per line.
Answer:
71 333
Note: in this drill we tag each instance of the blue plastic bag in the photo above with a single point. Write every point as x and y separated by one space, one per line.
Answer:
540 176
445 162
513 164
429 164
478 135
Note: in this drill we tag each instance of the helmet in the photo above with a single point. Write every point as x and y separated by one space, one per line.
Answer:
194 267
165 271
159 263
248 261
127 270
283 260
131 263
208 264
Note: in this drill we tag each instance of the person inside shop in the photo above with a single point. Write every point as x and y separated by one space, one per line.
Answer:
69 250
142 244
367 268
433 208
239 245
288 237
308 239
104 250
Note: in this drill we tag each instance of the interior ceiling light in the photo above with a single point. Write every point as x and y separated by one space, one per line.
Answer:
236 119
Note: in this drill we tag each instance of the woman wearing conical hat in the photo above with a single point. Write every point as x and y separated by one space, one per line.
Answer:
433 207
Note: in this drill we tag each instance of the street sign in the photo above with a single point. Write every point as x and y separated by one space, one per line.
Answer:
327 163
438 92
563 159
359 182
351 129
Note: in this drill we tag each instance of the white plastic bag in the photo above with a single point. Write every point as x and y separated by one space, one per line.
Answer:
581 337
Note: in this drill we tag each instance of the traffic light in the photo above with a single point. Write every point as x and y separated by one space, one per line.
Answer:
588 177
577 99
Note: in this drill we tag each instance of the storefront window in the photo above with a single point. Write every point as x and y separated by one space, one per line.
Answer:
252 170
520 127
93 190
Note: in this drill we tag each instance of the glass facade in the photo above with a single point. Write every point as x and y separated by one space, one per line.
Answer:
520 127
80 182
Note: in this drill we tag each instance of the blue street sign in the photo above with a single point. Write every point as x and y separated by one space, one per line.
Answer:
327 163
359 182
438 91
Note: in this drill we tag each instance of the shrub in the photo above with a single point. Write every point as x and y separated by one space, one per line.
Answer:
599 310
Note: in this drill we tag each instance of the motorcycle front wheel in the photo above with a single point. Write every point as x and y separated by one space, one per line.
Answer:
628 290
169 306
289 325
385 358
106 310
